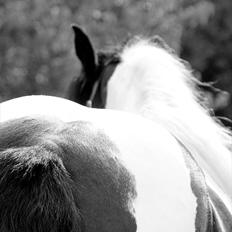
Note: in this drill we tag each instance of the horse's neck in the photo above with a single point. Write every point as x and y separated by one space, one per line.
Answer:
158 86
184 118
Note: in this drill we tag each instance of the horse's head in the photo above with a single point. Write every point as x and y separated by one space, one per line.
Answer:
89 88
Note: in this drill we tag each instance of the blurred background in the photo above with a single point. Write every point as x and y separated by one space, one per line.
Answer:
36 40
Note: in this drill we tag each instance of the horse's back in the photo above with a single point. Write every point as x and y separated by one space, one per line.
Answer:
163 199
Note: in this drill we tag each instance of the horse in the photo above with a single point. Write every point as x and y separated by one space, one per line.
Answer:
66 167
146 77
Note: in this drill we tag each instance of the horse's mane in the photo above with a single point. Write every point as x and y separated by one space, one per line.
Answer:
168 90
35 188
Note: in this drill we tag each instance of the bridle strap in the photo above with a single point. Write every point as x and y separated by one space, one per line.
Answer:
89 103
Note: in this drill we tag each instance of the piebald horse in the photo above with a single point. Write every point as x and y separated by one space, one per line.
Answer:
146 77
66 167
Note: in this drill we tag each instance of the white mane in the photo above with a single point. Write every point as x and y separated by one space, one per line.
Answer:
155 83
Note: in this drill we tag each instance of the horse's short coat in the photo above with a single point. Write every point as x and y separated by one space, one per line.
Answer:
54 174
80 169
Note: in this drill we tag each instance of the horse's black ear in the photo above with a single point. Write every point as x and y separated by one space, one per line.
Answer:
84 51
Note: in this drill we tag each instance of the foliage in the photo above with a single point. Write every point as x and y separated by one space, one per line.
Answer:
208 47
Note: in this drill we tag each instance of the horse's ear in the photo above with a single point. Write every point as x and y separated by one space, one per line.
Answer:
158 40
84 51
